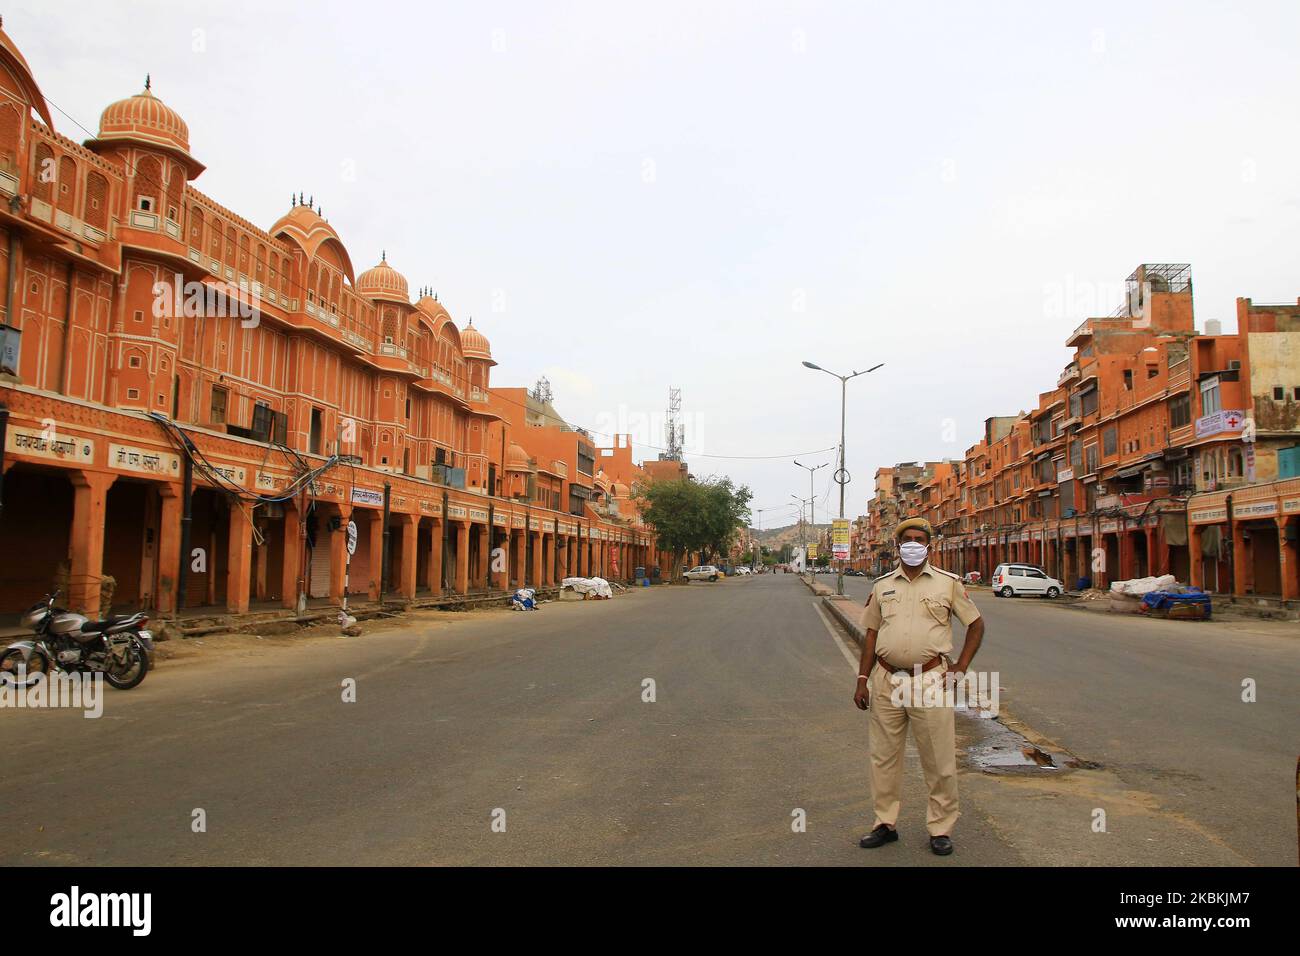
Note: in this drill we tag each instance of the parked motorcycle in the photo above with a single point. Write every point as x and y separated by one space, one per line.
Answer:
118 647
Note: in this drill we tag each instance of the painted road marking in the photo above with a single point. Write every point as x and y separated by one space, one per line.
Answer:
834 632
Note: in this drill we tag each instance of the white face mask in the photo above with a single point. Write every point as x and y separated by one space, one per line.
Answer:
913 553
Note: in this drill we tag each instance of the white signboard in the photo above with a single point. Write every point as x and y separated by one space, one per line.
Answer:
364 496
1225 421
143 461
352 537
50 444
235 474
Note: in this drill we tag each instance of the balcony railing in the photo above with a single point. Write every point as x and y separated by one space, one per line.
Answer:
356 339
1084 329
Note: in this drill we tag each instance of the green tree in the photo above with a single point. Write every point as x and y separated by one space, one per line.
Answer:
694 515
727 513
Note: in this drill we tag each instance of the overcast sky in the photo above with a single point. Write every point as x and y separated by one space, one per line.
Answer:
628 197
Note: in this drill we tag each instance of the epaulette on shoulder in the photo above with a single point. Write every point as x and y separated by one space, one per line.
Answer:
948 573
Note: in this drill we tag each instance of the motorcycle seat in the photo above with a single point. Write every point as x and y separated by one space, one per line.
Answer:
92 627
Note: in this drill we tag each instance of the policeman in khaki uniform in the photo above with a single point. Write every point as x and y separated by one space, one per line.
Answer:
908 641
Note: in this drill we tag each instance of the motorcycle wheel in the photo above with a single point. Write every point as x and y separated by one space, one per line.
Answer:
36 665
131 671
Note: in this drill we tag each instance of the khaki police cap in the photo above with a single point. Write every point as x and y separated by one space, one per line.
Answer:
920 523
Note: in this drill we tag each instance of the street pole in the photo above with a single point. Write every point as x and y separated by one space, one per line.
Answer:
803 531
4 426
347 526
383 564
812 500
841 474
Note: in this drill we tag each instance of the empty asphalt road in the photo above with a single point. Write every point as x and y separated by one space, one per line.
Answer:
692 725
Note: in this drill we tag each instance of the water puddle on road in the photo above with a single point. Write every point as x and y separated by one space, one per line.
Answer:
997 749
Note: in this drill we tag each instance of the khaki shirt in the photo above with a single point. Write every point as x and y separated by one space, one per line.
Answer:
911 617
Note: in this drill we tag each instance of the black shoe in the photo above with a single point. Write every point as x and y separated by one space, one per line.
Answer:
878 837
940 845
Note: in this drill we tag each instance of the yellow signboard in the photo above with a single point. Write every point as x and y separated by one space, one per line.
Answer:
840 539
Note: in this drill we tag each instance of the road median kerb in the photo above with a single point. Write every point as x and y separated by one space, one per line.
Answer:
818 589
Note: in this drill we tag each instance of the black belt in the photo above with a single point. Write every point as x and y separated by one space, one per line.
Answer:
929 665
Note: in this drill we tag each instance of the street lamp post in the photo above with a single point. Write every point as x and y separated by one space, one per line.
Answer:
812 499
753 540
841 474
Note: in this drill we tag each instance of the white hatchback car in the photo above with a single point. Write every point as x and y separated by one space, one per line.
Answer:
1013 580
702 572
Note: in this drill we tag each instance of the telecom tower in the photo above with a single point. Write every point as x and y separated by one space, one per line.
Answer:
674 430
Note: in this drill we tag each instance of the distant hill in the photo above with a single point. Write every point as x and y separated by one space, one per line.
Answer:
774 538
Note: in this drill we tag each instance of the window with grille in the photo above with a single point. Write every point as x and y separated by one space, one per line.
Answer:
1180 411
262 421
1210 397
218 416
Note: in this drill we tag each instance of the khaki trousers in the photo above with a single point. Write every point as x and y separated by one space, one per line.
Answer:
933 729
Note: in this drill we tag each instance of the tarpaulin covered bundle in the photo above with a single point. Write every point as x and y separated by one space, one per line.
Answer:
1140 586
525 599
1188 603
597 587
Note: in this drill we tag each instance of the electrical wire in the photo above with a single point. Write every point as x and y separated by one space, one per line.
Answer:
185 445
